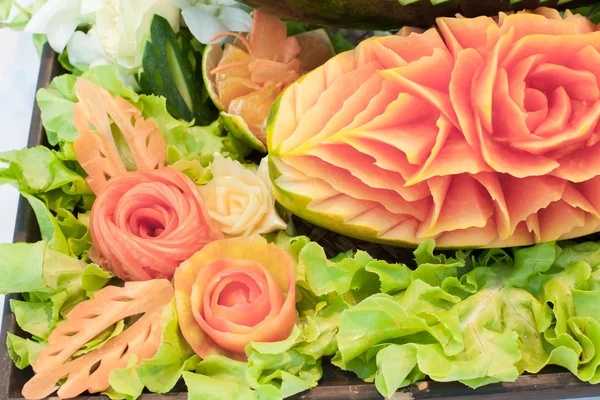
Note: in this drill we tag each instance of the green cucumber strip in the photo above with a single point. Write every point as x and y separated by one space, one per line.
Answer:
171 70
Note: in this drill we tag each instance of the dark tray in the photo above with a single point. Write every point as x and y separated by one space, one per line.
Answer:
552 383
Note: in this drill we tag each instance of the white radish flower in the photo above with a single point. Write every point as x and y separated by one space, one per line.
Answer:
241 200
123 26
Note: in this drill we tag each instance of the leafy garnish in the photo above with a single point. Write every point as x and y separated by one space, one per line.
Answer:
161 372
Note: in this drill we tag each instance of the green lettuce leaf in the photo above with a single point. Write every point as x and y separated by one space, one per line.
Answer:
38 318
36 170
75 230
125 383
48 225
505 316
330 276
56 106
161 372
40 172
64 232
21 267
23 352
220 378
200 143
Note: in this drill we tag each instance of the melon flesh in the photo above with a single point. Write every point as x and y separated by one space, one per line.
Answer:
476 135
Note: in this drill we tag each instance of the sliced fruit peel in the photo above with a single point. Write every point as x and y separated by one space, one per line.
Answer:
332 170
96 148
90 372
205 269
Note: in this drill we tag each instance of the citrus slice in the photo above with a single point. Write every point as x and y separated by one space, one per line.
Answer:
254 108
245 77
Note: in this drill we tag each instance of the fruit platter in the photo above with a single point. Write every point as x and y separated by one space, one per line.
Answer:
265 199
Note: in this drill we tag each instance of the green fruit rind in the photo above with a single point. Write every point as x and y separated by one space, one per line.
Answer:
210 59
239 129
271 119
299 205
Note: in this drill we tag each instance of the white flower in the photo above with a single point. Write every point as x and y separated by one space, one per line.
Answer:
241 200
123 26
58 20
209 18
85 51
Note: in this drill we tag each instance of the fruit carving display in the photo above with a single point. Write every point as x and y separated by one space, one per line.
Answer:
169 259
483 133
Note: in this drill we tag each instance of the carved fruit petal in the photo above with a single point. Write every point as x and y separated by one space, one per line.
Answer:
96 149
87 320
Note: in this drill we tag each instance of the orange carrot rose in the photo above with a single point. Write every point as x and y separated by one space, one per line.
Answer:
145 223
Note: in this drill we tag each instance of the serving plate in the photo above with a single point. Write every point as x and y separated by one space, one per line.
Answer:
551 383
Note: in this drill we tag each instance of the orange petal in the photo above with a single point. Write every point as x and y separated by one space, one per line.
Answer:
343 181
579 85
541 191
346 157
484 82
464 33
580 129
438 186
266 309
547 45
414 47
514 162
558 116
455 157
467 65
268 39
329 103
491 183
509 122
237 298
385 155
528 24
517 75
478 237
466 205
